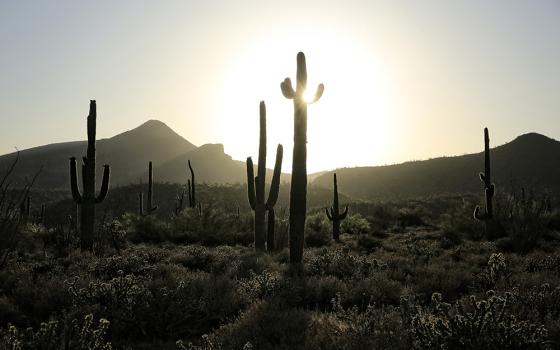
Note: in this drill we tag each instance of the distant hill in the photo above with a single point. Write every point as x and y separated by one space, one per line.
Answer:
128 154
531 160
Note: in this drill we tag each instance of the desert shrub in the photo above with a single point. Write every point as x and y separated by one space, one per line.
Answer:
525 221
368 244
258 286
496 273
410 217
349 328
458 221
111 235
266 325
318 230
58 334
147 229
544 263
341 263
355 224
472 324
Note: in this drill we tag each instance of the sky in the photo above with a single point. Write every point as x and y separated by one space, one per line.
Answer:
404 80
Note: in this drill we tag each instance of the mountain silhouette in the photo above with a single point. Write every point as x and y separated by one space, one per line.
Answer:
128 154
531 160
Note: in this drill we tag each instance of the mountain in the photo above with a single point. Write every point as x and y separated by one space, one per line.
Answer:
128 154
531 160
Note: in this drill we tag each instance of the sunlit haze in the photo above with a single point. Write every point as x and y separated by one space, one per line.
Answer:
403 80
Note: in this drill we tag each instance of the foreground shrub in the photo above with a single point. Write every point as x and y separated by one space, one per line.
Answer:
55 335
472 324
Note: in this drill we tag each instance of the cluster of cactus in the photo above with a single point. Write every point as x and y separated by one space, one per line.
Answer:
87 200
335 215
151 208
256 189
298 190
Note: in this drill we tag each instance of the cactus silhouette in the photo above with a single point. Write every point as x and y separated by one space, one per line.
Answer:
256 188
298 190
151 207
191 188
489 187
335 215
88 200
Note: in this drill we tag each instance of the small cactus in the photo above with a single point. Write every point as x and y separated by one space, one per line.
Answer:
298 190
151 207
335 215
88 200
256 188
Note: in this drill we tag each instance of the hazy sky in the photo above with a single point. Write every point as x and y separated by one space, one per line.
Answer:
403 79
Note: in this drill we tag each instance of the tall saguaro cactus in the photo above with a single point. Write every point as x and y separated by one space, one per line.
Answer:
335 215
489 187
256 188
298 190
88 200
151 207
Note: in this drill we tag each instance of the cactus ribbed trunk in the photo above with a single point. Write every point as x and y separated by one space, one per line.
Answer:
88 176
298 190
270 230
88 200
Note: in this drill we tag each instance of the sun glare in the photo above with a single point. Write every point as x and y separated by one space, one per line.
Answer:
354 113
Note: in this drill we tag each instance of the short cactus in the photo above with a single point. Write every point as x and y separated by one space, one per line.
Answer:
298 191
88 200
256 188
151 207
335 215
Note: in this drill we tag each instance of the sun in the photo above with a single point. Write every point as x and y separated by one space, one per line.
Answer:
350 125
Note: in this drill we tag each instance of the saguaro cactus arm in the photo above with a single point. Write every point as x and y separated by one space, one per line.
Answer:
275 185
251 183
301 85
287 89
104 184
76 195
192 195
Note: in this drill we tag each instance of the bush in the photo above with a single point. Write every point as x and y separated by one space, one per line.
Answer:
58 334
355 224
318 230
472 324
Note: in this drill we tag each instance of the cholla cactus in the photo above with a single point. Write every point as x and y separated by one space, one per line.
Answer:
473 324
